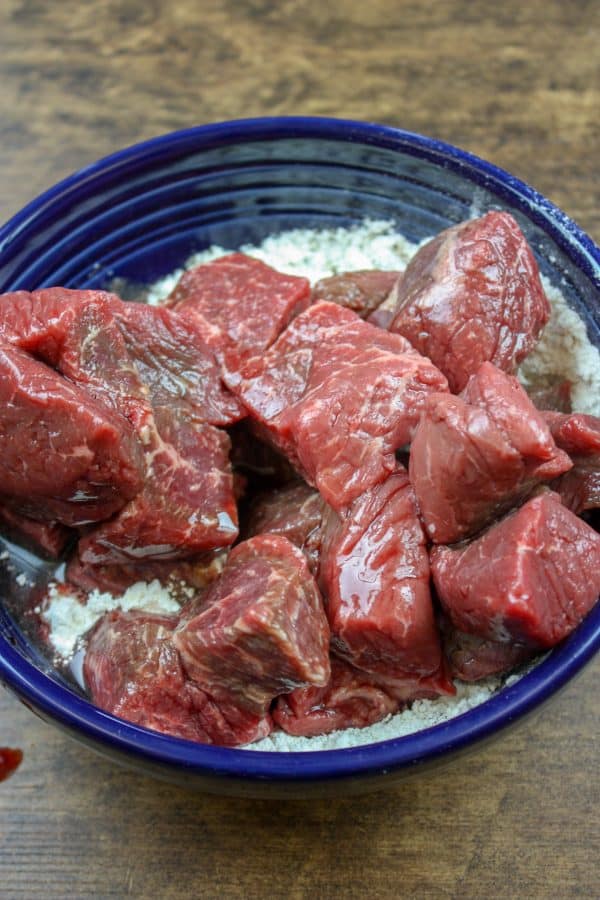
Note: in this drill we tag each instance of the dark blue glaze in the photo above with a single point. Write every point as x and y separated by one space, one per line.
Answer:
140 213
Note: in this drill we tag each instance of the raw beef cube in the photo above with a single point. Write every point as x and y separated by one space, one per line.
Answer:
338 396
171 357
37 321
186 507
473 294
133 671
63 456
262 630
362 291
374 575
237 300
178 368
48 539
472 658
579 436
183 574
348 700
531 578
296 513
475 456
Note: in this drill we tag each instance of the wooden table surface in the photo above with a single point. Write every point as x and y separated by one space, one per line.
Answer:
515 82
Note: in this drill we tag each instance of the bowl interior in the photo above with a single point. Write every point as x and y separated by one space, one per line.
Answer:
141 213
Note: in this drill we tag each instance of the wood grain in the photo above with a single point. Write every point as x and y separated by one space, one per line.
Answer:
517 83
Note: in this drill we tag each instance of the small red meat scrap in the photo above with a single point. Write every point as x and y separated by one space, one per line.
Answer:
363 291
10 760
338 396
531 578
349 700
475 456
579 436
472 658
473 294
47 539
197 572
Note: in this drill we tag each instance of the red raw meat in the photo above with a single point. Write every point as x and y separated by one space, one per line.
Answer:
531 578
348 700
239 301
197 573
37 321
363 291
472 658
473 294
261 631
133 671
186 505
48 539
475 456
338 396
296 513
579 436
178 368
375 579
64 456
171 358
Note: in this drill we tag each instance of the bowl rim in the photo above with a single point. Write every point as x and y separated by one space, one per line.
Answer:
55 701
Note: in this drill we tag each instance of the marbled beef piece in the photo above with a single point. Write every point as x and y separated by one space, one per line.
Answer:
475 456
472 658
198 572
363 291
239 301
579 436
186 505
296 513
133 671
37 321
171 358
348 700
473 294
64 456
261 631
47 539
178 368
338 396
530 579
374 575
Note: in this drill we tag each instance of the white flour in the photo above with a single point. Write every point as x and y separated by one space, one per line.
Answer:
564 350
69 618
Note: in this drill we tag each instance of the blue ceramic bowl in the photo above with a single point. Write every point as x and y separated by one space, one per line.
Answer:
139 214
